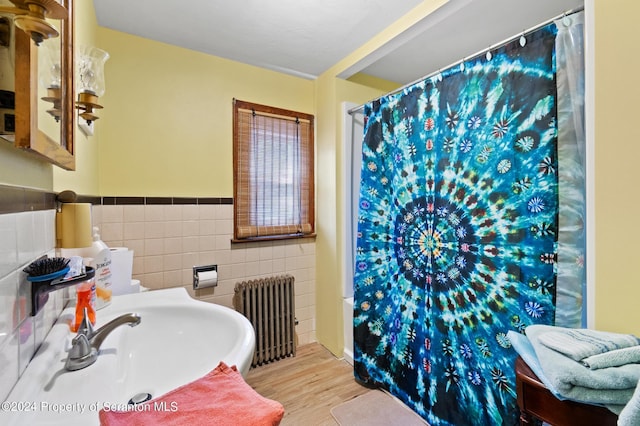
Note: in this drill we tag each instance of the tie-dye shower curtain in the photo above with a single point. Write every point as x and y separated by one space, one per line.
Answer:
458 232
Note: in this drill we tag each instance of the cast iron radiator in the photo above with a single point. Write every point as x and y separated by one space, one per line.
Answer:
269 305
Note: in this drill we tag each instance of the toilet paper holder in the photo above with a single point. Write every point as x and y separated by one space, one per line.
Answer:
205 276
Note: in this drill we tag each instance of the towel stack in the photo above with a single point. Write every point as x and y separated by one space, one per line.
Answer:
594 349
587 366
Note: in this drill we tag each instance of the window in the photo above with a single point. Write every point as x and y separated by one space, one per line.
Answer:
273 172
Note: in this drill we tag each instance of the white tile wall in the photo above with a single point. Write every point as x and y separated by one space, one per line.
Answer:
23 238
168 240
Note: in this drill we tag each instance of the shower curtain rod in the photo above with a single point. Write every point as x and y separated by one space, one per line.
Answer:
475 55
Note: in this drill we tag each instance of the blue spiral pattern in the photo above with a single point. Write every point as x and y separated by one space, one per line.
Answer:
457 235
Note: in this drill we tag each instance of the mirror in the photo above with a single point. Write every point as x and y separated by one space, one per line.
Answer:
7 77
49 88
44 118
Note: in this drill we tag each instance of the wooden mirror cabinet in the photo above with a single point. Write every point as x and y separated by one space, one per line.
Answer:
44 123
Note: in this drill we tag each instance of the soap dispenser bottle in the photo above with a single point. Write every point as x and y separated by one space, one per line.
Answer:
86 299
101 256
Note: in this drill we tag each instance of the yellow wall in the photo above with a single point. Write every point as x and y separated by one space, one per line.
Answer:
374 82
21 169
328 308
617 152
167 121
331 92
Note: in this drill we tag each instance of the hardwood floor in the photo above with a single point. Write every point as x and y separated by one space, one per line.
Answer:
308 385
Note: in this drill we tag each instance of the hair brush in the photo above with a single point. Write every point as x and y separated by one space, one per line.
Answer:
46 268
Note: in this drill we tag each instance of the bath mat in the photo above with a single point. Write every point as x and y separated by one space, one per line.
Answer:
375 408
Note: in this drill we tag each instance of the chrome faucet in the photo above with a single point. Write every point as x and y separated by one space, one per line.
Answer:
86 345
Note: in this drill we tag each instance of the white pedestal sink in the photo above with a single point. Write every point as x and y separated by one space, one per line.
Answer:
178 340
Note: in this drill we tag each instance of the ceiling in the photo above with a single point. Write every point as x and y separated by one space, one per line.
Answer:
305 38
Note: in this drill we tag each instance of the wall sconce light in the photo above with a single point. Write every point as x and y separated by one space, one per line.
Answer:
89 85
51 76
31 14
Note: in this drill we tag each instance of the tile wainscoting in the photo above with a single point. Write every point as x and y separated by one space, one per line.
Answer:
170 236
27 219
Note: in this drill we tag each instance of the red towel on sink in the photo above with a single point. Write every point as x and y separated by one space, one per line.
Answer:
222 397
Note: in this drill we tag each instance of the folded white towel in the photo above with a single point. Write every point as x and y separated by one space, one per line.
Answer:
579 344
614 358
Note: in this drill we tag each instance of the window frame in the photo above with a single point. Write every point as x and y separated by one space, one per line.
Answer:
243 229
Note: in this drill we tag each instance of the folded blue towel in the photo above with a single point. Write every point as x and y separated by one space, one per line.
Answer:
581 343
630 414
613 358
612 387
521 344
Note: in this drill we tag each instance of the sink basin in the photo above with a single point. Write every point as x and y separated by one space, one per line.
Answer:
178 340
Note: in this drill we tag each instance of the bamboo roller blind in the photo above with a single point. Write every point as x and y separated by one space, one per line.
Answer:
273 170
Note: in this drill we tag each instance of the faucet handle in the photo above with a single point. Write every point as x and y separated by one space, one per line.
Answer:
85 326
81 354
80 347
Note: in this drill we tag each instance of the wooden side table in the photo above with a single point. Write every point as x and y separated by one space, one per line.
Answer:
535 400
